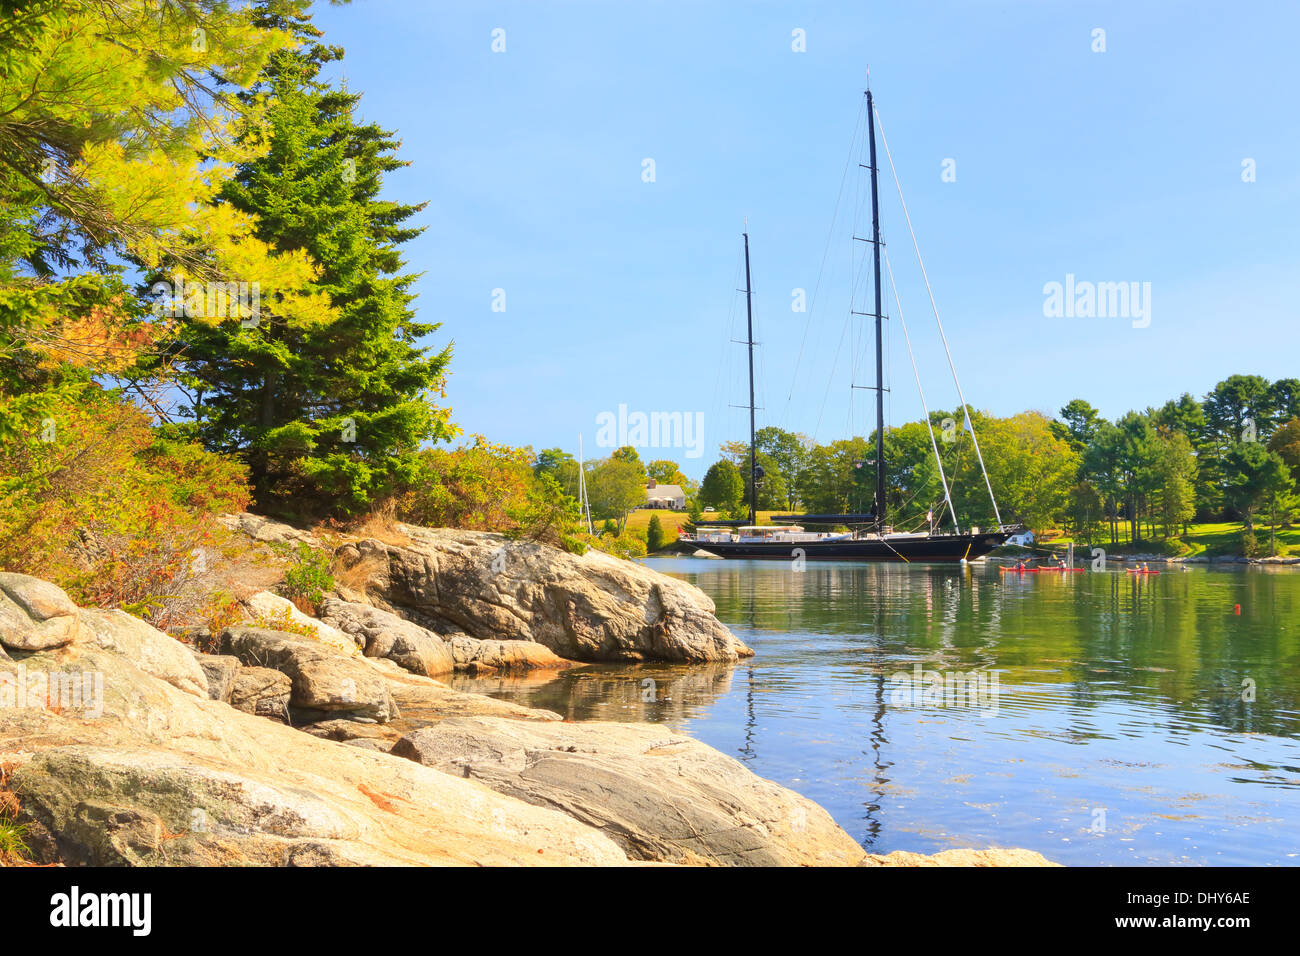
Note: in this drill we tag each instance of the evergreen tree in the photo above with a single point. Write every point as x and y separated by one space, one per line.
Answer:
1255 477
1078 423
331 405
654 536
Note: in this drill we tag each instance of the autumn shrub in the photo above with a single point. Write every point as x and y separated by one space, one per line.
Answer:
488 487
474 487
284 621
216 613
114 511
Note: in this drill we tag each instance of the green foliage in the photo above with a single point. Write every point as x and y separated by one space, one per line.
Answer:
490 487
13 843
784 458
629 454
1078 422
560 466
654 537
102 147
1174 481
1083 515
1240 408
616 486
1032 470
629 544
1254 476
308 576
327 407
546 514
1285 442
723 487
1250 546
667 472
283 620
693 510
476 486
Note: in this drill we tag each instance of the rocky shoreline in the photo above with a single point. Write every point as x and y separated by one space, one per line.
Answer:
123 745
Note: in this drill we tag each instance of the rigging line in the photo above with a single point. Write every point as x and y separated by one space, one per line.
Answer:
858 273
929 425
725 378
830 232
830 378
938 321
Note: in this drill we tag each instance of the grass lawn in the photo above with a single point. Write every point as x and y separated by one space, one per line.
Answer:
1211 539
1225 538
669 520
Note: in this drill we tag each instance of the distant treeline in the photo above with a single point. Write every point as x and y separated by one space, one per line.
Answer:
1232 456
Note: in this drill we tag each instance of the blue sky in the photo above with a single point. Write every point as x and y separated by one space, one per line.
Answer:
1115 166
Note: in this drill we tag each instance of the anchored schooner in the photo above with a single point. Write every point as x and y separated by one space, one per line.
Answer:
870 536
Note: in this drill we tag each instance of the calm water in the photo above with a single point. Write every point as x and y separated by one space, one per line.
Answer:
1116 731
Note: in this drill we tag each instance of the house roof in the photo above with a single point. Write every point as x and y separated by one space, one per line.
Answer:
664 491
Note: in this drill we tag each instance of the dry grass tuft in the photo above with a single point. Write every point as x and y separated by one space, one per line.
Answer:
357 576
382 525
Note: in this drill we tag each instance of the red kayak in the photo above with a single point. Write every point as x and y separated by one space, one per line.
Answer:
1139 571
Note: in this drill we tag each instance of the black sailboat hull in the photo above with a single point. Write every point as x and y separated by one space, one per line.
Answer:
939 548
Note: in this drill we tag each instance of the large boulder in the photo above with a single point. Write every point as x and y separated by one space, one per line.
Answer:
147 647
221 671
591 607
423 700
385 635
261 691
268 607
478 656
326 680
35 615
657 794
164 777
268 530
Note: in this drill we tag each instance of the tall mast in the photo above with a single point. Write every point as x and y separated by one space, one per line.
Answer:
749 318
880 363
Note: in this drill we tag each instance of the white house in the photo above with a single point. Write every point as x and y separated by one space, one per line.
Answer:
664 496
1025 540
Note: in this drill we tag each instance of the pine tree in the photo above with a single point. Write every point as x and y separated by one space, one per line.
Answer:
654 535
328 409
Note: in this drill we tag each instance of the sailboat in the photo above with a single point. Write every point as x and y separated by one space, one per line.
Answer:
870 537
